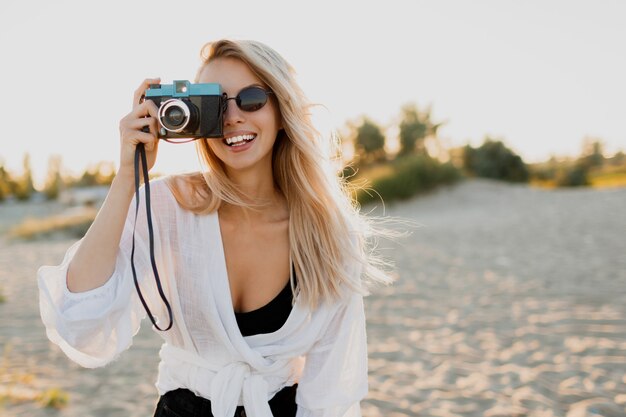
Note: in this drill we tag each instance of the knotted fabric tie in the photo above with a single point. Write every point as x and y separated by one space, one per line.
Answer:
227 383
235 379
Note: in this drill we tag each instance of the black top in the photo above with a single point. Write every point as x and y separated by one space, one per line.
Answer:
268 318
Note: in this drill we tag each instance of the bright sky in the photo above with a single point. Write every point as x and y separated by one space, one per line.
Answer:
541 75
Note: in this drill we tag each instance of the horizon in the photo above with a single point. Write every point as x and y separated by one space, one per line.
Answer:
539 77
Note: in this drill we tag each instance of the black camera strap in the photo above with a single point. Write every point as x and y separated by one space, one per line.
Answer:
141 152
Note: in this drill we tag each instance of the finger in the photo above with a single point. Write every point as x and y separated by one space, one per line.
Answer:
152 145
141 91
139 124
147 108
147 139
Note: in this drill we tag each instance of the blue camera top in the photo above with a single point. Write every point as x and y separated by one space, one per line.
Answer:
184 88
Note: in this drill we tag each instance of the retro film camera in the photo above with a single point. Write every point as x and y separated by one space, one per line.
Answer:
188 111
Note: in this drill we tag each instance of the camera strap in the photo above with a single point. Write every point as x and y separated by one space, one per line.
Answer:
141 152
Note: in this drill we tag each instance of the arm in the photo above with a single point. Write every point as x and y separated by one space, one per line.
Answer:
93 327
86 302
94 260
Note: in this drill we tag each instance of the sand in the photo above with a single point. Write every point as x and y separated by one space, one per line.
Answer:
510 301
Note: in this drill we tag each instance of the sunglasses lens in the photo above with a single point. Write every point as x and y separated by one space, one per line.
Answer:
251 99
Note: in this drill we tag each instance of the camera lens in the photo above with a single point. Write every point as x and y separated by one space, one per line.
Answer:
174 115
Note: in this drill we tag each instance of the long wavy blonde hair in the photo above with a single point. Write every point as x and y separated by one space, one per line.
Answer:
327 235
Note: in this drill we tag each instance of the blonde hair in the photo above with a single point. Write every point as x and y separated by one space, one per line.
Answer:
327 235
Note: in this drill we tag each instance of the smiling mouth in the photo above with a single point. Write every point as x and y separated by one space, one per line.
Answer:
239 140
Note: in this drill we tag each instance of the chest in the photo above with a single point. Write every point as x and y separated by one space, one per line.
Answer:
257 262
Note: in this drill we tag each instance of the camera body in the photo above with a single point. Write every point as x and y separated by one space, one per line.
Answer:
187 110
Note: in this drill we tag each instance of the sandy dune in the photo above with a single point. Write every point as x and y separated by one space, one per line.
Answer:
510 301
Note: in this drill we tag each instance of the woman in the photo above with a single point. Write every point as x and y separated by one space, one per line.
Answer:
261 256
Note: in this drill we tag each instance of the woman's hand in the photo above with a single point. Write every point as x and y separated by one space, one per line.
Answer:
144 114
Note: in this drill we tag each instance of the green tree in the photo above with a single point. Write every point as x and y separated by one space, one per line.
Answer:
545 171
576 175
592 153
54 182
369 141
5 183
494 160
102 173
415 127
88 179
618 159
22 188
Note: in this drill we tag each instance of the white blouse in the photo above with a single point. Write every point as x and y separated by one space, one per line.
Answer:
324 351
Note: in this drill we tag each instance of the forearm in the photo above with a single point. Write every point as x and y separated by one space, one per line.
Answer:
94 261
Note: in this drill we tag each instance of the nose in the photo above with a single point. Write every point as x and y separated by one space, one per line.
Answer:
232 113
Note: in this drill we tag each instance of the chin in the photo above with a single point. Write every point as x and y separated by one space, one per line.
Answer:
247 164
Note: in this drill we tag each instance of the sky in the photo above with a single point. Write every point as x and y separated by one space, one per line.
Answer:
539 75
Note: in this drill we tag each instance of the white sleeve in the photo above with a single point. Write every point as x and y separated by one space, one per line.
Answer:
94 327
334 379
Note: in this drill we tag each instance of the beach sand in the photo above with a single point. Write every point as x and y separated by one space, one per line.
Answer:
510 301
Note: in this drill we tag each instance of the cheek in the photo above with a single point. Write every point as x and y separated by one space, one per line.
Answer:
278 119
272 114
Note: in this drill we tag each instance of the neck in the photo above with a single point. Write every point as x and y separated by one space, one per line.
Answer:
260 190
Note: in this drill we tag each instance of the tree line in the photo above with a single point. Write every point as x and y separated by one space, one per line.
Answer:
592 163
492 159
21 186
408 169
415 127
405 171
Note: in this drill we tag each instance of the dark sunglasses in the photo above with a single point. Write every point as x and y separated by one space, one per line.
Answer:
249 99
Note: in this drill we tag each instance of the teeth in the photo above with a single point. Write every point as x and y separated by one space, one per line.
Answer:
240 138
